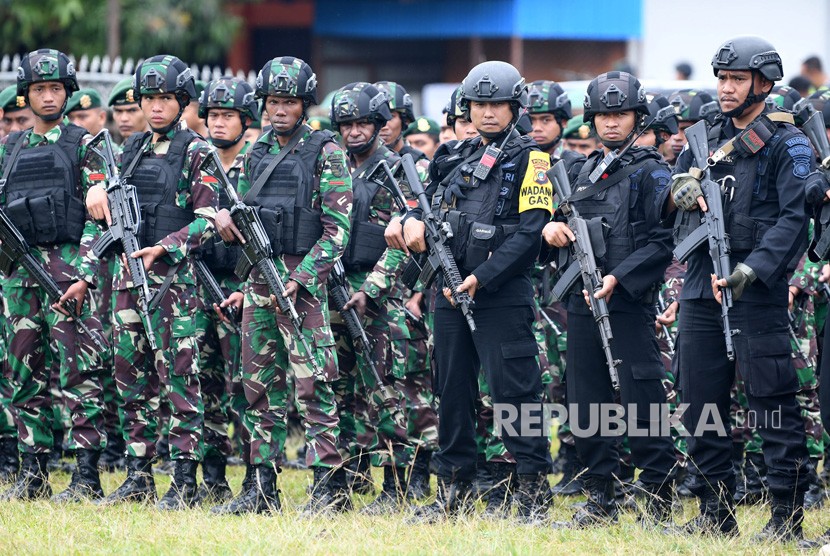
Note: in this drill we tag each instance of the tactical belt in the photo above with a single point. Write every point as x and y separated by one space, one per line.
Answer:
753 138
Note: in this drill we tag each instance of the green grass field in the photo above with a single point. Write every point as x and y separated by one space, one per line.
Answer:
44 528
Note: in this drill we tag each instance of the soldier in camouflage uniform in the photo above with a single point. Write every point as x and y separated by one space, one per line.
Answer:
9 459
178 203
126 113
228 105
360 111
300 181
85 109
17 116
57 151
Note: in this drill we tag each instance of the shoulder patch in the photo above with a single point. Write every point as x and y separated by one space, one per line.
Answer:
797 140
536 191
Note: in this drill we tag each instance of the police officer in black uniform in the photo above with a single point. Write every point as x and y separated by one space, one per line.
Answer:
637 252
765 222
496 274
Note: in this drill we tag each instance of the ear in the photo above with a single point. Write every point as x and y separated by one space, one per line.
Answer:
765 84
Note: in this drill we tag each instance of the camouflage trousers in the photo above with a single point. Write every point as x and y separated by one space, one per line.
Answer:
142 373
269 353
7 428
555 344
418 397
490 445
372 415
672 394
104 301
32 329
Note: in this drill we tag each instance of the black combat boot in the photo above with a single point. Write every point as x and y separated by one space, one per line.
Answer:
259 493
814 497
656 505
500 496
599 510
54 462
214 488
391 498
684 483
483 481
86 483
182 492
32 481
717 515
9 460
360 474
755 480
571 483
786 516
624 490
453 499
418 488
329 493
112 458
533 498
139 485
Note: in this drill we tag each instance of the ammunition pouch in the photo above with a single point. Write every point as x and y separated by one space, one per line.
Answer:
49 219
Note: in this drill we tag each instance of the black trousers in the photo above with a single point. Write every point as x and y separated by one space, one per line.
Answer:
505 348
590 391
763 356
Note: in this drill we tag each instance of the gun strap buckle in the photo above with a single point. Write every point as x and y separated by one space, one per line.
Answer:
696 173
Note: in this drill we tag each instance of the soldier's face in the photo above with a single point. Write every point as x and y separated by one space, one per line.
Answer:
92 120
283 112
582 146
734 86
678 140
356 133
47 98
424 142
160 110
464 129
224 124
392 130
191 116
615 126
129 119
490 117
545 128
447 132
19 119
647 139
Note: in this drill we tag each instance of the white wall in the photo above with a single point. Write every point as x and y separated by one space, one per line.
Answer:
691 31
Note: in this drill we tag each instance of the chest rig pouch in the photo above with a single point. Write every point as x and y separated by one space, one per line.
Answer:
285 200
41 188
156 180
218 255
366 241
483 219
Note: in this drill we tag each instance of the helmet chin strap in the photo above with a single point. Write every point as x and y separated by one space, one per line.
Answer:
228 143
392 144
617 144
751 99
50 117
367 145
296 126
166 129
551 144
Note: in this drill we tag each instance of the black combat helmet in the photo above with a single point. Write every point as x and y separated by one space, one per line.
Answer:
360 101
748 53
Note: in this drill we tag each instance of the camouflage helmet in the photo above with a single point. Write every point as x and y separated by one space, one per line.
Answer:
231 93
357 101
453 108
287 76
783 97
748 53
662 116
614 91
399 100
164 74
548 97
693 105
494 81
46 64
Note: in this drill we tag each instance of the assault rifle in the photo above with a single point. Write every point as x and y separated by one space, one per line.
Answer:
813 127
439 254
125 228
713 227
14 250
256 252
214 291
584 265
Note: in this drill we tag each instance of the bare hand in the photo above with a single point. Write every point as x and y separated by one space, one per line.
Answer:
233 300
291 289
469 285
414 304
414 235
226 228
558 234
609 282
824 275
98 204
716 287
149 255
668 316
76 291
793 293
394 235
358 302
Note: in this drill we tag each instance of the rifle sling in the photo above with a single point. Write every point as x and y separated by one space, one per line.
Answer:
750 136
263 177
608 182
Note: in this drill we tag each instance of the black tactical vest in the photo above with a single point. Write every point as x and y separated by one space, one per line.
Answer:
483 221
286 211
220 257
156 181
624 232
366 242
42 188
